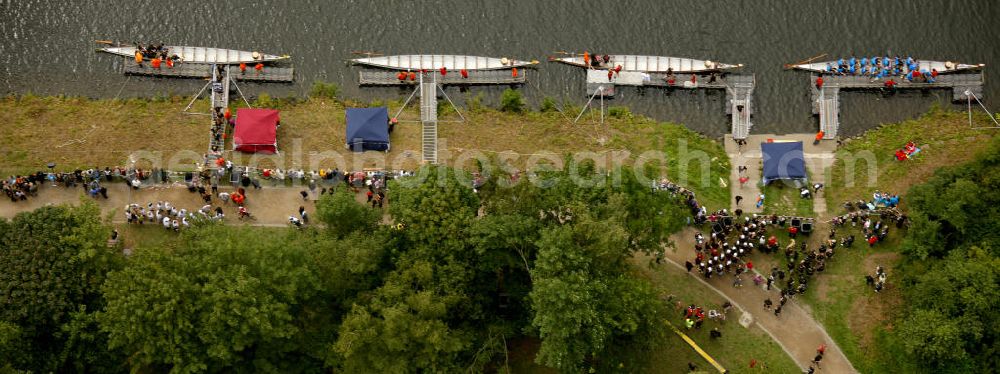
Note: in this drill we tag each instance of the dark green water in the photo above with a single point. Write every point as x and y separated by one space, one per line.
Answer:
47 46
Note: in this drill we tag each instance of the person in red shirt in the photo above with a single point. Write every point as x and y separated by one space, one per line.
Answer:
749 266
792 231
819 83
871 240
901 155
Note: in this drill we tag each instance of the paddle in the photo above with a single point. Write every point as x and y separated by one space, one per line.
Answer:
367 53
806 61
108 42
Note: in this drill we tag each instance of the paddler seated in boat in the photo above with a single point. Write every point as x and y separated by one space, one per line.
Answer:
607 59
829 68
670 78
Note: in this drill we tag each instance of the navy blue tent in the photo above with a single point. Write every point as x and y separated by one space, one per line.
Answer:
368 129
783 160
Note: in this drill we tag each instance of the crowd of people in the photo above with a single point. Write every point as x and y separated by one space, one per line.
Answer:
882 67
169 215
18 188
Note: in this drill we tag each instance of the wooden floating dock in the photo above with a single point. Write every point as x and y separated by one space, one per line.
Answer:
826 102
739 90
381 77
204 71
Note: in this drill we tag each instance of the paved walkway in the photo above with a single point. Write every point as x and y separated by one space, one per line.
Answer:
819 159
795 330
270 206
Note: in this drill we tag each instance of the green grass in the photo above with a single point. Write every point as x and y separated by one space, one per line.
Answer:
856 317
945 139
83 133
783 198
734 350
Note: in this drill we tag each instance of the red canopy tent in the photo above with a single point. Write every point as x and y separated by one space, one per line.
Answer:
256 130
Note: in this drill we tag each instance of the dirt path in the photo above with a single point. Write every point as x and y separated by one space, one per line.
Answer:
795 330
270 206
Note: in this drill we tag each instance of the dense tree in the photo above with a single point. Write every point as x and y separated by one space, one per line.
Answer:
54 260
342 214
582 297
407 325
228 300
952 276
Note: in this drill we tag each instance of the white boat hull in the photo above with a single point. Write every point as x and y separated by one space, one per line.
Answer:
652 64
203 55
942 67
436 62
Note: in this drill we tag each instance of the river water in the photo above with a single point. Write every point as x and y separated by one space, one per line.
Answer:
47 46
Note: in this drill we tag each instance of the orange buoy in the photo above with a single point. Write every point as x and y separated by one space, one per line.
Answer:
513 72
413 76
465 73
243 67
156 63
138 57
444 71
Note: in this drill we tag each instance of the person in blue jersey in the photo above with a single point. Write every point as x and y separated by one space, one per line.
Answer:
852 61
864 61
829 68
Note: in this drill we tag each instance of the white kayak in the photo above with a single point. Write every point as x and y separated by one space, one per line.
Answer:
942 67
436 62
649 64
204 55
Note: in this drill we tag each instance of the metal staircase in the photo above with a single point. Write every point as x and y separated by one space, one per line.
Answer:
429 120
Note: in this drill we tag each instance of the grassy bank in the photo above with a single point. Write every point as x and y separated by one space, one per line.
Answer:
734 350
83 133
856 317
867 163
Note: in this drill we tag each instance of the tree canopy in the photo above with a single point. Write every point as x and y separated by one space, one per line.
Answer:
952 282
54 260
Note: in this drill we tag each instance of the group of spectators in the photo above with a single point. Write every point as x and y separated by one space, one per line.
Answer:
169 215
18 188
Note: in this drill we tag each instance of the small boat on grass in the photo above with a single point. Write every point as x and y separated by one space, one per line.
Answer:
648 64
199 55
436 62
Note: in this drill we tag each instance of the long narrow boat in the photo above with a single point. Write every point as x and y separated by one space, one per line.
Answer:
649 64
942 67
436 62
204 55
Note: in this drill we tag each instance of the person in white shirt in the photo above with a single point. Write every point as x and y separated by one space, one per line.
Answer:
166 223
224 196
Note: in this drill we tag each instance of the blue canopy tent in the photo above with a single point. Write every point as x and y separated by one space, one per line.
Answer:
783 160
368 129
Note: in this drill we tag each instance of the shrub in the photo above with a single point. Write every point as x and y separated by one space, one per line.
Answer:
511 101
322 89
548 105
619 112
